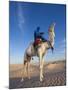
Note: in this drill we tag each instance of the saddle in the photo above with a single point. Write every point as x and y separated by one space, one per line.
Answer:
37 42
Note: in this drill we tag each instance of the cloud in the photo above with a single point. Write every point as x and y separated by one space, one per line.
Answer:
20 15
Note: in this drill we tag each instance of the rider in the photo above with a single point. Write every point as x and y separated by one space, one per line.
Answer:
38 36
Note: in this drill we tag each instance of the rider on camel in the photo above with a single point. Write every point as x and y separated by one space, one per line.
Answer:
38 36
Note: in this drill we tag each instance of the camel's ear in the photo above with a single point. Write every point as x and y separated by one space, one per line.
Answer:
52 48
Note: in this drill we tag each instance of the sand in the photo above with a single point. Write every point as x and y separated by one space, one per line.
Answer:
54 75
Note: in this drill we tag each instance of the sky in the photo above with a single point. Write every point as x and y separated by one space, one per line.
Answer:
24 18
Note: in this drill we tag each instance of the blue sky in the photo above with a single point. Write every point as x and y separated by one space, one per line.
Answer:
24 19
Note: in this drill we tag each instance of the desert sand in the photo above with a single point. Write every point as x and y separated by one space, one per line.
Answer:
54 75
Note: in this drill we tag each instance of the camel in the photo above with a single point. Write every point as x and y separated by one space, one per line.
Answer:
40 52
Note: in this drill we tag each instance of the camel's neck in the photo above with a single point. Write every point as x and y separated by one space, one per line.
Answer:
51 35
51 39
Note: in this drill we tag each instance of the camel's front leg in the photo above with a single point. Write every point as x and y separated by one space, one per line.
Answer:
41 68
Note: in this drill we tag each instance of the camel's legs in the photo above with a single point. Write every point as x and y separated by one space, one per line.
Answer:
25 66
24 72
42 65
41 68
28 70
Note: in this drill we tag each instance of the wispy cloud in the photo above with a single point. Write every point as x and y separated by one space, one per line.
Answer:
21 19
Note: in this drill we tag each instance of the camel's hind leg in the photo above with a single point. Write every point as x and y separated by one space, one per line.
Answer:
26 69
25 66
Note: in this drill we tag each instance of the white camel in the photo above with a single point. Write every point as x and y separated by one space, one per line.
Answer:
40 52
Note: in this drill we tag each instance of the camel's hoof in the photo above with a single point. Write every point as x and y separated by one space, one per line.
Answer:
41 79
22 80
